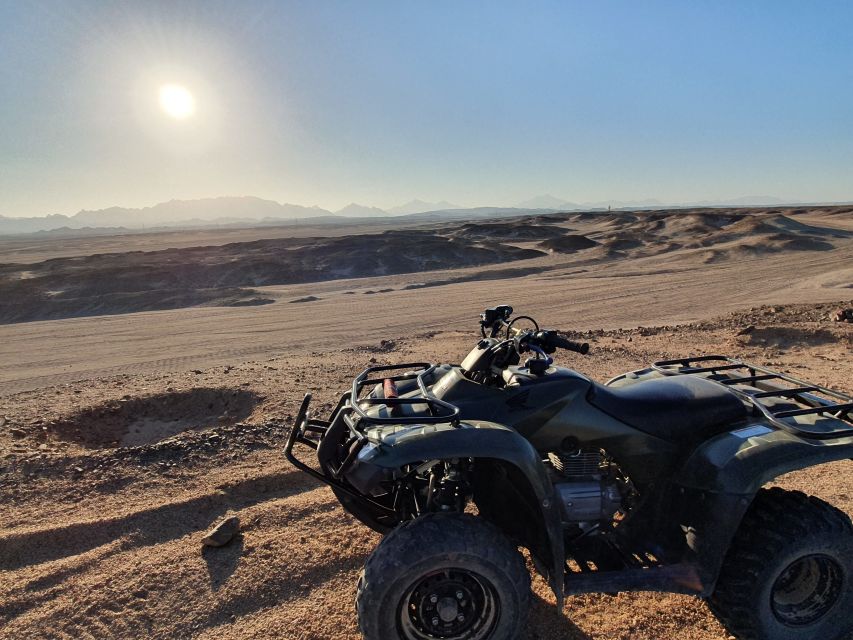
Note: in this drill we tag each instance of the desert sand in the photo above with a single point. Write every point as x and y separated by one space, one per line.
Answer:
123 437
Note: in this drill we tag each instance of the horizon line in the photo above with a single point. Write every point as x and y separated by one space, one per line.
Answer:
646 203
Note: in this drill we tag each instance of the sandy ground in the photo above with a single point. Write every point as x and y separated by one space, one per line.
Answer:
100 540
123 438
644 291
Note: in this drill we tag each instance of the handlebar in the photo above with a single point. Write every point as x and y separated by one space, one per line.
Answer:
495 319
551 339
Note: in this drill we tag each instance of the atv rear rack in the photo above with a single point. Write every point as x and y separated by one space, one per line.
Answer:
756 384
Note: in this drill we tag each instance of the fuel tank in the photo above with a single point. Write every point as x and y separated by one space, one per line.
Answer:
551 411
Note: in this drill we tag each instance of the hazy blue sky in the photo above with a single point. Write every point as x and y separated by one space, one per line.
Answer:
380 102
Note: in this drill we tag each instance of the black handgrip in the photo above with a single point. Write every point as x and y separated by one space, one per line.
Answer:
553 340
578 347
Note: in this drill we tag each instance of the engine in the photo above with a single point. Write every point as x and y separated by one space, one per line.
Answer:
589 487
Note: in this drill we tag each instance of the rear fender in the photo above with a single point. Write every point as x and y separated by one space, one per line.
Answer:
718 482
504 463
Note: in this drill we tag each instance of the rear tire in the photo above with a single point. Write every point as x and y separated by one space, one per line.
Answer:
789 572
444 576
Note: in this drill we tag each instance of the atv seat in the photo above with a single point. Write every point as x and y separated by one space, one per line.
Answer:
681 409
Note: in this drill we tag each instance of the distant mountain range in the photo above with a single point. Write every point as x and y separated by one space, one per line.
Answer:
167 213
547 201
354 210
251 211
175 213
204 212
419 206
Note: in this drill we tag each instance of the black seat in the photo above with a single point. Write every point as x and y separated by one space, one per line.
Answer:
678 409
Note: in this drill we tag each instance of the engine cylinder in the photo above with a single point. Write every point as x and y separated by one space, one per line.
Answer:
589 494
584 463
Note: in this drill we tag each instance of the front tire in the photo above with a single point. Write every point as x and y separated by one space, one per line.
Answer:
444 576
789 572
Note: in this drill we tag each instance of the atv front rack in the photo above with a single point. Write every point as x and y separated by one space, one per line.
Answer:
354 411
757 385
439 410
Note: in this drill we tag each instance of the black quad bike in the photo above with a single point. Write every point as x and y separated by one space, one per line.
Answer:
651 482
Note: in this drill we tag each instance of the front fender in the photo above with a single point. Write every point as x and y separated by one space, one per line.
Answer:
720 479
489 444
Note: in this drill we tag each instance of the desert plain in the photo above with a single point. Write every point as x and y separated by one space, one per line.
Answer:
148 381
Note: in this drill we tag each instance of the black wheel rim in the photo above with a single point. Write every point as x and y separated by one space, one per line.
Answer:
807 590
452 604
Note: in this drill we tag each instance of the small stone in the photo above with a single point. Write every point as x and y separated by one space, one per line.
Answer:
18 433
222 533
746 330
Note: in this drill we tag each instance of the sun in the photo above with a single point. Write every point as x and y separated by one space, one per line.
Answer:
177 101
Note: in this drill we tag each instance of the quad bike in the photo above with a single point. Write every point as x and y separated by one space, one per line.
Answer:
651 482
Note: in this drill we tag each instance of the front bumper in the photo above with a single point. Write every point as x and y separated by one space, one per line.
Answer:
340 439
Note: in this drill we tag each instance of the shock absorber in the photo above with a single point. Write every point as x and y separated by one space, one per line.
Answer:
449 491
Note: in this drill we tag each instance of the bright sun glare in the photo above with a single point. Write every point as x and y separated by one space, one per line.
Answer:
177 101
